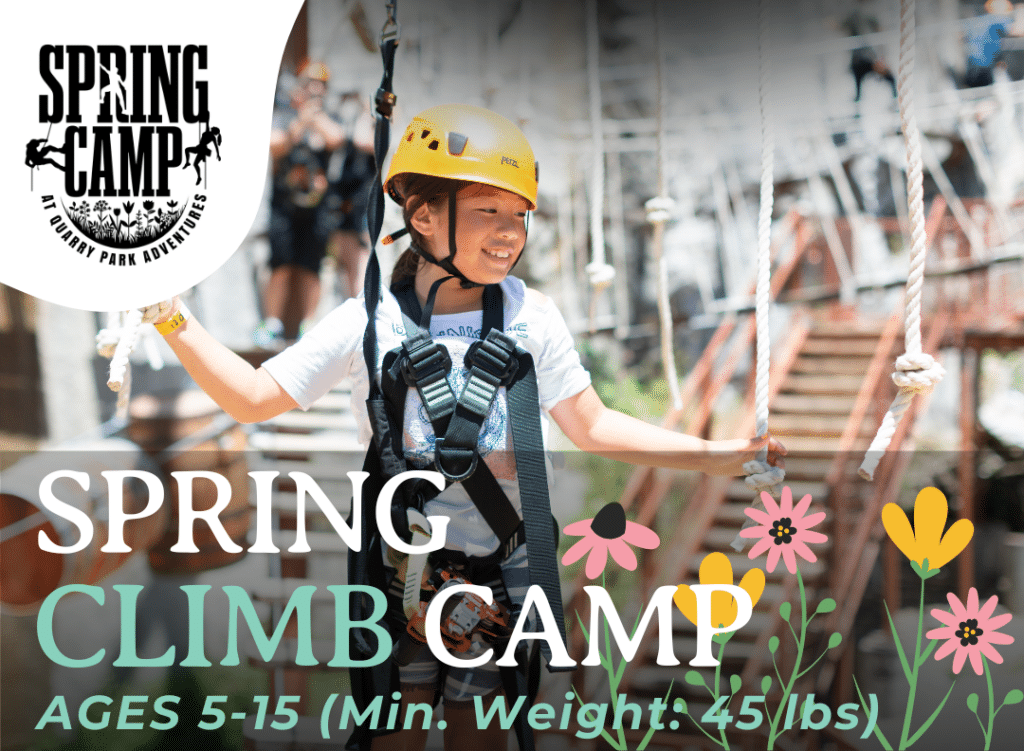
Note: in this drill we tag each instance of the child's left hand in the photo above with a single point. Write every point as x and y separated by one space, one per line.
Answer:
727 458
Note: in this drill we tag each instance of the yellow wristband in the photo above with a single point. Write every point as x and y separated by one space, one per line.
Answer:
175 322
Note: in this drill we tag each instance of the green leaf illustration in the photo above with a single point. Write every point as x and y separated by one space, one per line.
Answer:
835 640
1016 696
773 644
785 609
766 683
735 683
827 605
694 678
972 702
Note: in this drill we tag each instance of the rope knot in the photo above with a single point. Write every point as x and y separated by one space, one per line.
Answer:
659 209
763 476
600 273
917 373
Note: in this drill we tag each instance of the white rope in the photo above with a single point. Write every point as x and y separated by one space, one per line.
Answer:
117 340
601 273
761 475
119 363
659 210
916 372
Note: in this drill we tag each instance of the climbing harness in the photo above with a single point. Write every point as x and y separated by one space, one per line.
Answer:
916 371
433 146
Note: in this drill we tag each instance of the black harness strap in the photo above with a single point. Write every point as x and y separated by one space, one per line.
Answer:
424 365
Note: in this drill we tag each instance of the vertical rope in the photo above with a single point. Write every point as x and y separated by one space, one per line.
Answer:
764 233
761 475
659 211
916 372
599 271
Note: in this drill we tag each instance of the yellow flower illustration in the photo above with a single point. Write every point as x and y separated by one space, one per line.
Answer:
925 541
716 569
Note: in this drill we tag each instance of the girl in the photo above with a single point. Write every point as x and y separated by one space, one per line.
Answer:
466 179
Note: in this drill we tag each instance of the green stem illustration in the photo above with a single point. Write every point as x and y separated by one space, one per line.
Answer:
911 670
615 673
773 729
1015 696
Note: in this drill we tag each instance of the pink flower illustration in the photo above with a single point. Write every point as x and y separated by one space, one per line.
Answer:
970 631
608 532
784 530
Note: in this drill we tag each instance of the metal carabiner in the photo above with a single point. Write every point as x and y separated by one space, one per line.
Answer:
391 29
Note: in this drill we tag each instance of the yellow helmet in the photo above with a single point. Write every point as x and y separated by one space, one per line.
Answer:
463 142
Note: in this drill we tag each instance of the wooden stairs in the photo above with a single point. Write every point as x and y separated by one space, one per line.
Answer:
830 389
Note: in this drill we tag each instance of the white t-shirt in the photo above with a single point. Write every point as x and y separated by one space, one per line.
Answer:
332 350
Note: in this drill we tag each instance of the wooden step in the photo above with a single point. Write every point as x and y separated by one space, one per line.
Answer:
832 365
849 329
842 385
318 470
804 467
308 422
825 425
824 447
326 442
818 404
839 346
818 490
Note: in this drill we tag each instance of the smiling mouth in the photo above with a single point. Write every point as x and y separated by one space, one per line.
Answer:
500 254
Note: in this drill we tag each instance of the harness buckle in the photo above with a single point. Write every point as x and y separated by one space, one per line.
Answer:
495 356
385 100
461 462
425 361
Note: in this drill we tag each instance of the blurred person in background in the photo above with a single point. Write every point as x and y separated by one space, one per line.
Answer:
302 142
350 175
863 19
983 42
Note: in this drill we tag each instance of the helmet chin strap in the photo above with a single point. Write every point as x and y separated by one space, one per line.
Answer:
448 263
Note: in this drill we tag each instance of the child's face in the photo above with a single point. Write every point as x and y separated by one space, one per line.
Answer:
490 232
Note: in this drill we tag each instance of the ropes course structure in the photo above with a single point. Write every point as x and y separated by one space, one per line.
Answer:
916 371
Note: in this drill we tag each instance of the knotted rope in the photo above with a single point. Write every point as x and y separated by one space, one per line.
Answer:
762 475
117 340
916 372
